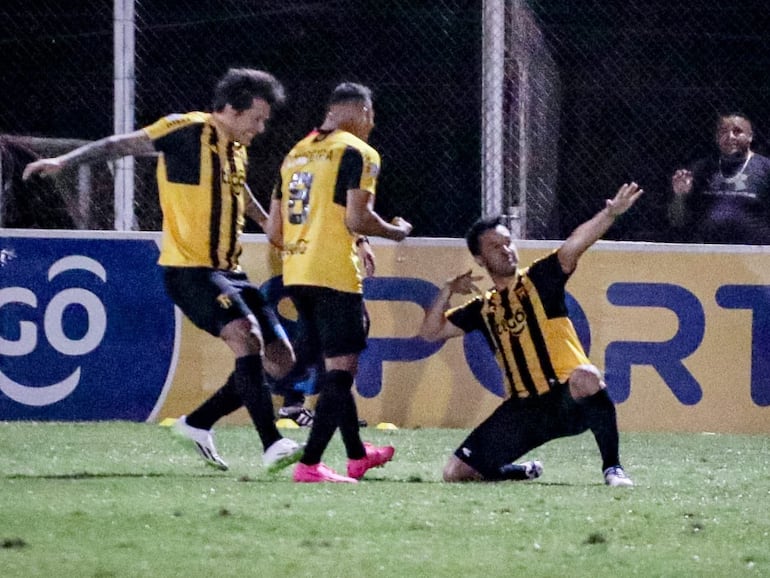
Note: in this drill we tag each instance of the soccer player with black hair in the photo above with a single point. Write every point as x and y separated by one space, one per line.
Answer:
321 209
552 388
204 198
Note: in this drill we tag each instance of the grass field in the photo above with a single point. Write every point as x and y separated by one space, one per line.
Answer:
125 499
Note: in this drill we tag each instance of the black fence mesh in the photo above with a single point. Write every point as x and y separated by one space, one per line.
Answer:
642 84
595 93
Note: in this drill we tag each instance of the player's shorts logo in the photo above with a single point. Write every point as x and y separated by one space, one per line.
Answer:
224 301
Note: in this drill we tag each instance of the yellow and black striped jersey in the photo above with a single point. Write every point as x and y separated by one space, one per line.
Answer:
318 248
201 182
527 327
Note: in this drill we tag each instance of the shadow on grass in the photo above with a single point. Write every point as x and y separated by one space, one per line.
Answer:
101 475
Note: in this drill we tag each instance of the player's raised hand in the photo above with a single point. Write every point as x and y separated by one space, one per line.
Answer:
624 199
404 227
42 167
681 182
464 283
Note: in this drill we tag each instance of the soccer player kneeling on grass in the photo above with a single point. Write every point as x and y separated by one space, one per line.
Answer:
553 390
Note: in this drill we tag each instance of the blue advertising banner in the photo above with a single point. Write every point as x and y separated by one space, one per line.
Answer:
682 333
86 330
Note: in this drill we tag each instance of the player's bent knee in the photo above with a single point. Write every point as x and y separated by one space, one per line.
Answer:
585 380
449 473
243 337
279 358
236 329
457 470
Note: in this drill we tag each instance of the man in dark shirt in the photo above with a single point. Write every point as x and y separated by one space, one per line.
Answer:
724 198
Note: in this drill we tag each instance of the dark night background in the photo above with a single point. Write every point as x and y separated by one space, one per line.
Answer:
640 85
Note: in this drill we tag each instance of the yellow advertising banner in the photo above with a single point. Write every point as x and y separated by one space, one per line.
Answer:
681 332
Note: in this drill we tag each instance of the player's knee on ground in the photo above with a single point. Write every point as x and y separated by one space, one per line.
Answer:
457 470
585 380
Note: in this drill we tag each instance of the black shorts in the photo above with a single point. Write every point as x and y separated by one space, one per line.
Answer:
335 323
211 299
518 426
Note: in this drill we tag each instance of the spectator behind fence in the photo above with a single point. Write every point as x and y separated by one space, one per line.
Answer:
724 198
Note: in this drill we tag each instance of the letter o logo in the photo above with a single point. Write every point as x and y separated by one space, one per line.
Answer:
97 321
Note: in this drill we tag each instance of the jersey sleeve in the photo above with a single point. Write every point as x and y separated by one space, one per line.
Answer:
550 280
358 170
371 170
349 174
467 316
178 138
173 132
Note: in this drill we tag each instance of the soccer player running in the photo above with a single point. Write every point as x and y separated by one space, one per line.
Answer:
553 390
204 197
323 202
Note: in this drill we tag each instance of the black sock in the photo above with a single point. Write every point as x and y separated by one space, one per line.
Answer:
348 417
601 418
254 394
336 408
225 401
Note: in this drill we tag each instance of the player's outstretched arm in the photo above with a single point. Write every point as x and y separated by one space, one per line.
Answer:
361 218
254 210
435 326
592 230
136 143
366 255
274 225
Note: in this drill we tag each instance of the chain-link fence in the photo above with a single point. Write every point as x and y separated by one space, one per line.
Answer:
642 84
539 109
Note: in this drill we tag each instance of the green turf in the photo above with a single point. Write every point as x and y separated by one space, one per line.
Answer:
122 499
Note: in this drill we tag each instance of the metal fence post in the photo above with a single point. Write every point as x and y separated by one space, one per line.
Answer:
492 118
125 56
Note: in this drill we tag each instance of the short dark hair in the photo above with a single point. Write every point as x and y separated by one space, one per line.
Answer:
478 228
348 91
240 86
730 113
